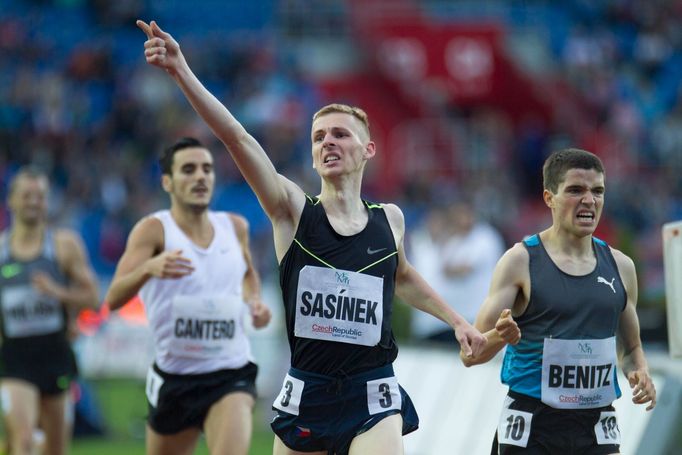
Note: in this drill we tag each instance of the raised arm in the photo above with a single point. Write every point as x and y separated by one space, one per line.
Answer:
415 291
260 313
509 291
281 199
630 351
81 292
143 259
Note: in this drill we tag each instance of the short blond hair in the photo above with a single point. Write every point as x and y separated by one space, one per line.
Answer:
345 109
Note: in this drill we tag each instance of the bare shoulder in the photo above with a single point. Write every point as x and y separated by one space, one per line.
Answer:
70 251
513 265
68 243
625 264
394 214
148 225
516 256
240 223
147 232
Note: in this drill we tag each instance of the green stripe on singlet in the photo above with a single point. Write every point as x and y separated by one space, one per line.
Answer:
376 262
334 268
313 254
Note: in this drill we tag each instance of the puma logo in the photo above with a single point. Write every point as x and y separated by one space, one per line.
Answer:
371 251
601 279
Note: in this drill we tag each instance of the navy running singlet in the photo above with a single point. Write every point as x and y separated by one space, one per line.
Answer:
338 294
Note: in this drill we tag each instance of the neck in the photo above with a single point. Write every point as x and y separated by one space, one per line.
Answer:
342 196
188 219
23 233
343 203
568 244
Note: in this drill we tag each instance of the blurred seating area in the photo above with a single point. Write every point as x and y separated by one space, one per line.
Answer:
516 80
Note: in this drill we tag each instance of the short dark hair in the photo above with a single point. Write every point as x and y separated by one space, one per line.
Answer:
166 158
559 162
29 171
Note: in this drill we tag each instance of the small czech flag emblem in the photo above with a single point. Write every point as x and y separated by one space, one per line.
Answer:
302 432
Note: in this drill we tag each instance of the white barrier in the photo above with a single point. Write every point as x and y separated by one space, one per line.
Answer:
672 262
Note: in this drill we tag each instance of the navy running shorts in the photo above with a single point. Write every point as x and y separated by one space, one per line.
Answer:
317 412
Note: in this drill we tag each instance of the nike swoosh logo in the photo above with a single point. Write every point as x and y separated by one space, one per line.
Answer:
10 270
371 251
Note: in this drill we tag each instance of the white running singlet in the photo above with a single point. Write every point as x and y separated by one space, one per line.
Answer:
197 320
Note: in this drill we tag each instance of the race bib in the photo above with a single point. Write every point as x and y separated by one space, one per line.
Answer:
606 429
579 374
514 425
338 305
289 398
152 387
28 313
205 327
383 395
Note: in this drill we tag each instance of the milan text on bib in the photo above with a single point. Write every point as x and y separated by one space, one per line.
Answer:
28 313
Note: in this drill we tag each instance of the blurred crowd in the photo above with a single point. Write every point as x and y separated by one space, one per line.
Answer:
77 98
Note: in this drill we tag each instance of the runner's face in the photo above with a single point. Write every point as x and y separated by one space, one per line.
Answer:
340 144
193 177
579 201
28 201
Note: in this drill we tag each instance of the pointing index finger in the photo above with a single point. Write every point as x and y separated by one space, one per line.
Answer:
145 28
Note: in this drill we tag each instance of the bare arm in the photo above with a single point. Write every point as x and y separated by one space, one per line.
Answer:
508 292
142 259
260 313
415 291
281 199
630 351
82 290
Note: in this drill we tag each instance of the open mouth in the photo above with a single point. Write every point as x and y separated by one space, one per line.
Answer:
585 216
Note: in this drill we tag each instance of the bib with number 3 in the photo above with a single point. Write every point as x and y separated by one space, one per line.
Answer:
289 398
383 395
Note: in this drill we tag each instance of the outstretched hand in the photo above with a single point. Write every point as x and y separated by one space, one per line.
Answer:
507 328
161 49
470 339
643 389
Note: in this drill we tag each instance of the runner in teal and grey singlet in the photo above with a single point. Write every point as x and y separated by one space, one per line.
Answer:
581 323
563 305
